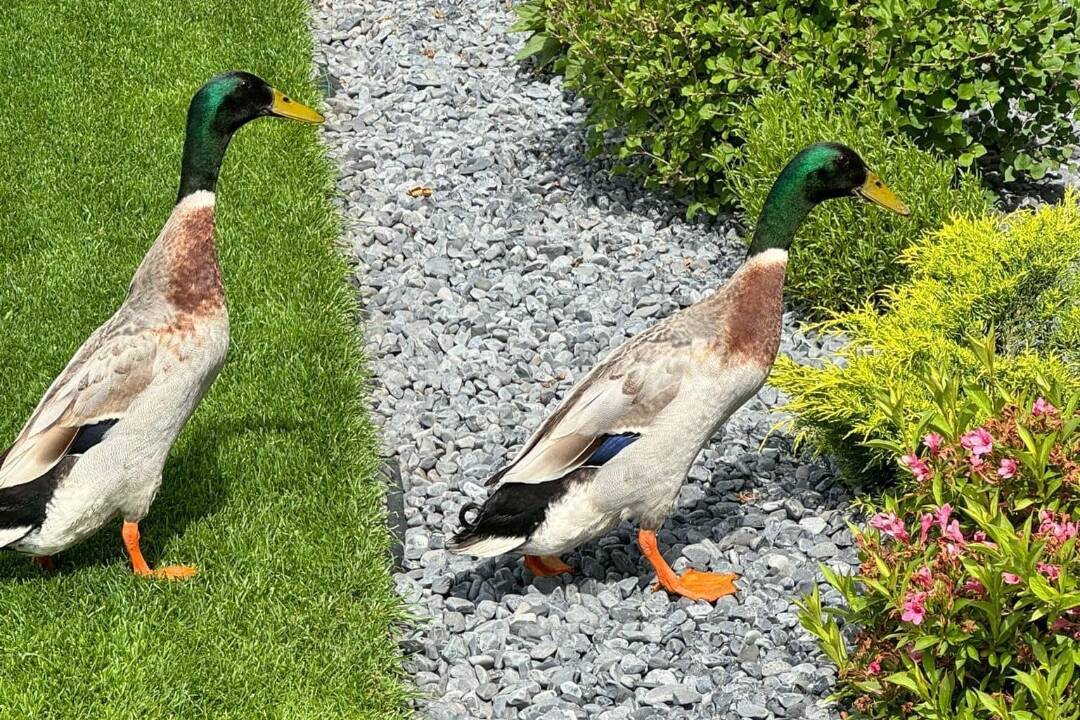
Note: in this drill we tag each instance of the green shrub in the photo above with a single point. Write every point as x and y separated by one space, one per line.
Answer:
1015 272
846 251
669 80
967 597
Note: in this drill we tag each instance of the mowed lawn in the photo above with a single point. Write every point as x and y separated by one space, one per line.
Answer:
271 489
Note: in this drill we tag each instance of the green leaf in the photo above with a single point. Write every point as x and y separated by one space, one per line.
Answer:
994 705
887 445
927 641
904 680
533 45
1036 685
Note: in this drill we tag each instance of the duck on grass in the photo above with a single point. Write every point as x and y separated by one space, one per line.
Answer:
96 444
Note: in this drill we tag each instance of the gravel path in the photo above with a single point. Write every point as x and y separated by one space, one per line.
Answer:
485 301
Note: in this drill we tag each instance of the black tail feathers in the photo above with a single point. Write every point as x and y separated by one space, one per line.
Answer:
466 525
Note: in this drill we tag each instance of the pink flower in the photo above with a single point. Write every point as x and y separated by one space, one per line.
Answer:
942 515
1007 468
923 578
978 441
1041 407
890 525
977 464
917 466
953 533
1056 529
952 549
1010 578
933 442
925 522
914 608
974 586
980 537
1052 572
874 668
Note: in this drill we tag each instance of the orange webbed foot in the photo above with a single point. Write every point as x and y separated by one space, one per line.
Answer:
697 585
130 534
692 584
546 565
174 572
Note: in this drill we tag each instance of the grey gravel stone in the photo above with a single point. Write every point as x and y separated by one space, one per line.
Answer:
748 709
632 665
823 550
814 525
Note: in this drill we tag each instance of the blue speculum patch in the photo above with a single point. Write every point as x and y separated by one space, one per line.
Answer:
612 446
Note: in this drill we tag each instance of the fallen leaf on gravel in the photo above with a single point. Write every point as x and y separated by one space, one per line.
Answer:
419 191
748 496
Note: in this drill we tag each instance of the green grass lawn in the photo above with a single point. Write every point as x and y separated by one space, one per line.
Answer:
271 488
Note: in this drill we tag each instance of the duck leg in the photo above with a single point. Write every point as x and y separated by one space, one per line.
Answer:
692 584
130 533
546 565
47 563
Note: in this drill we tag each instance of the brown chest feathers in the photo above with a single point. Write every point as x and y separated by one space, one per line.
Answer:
753 312
194 277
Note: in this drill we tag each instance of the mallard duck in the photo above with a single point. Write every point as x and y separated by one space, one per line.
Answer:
95 446
619 446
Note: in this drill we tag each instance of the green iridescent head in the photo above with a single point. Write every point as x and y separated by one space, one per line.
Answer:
819 172
218 109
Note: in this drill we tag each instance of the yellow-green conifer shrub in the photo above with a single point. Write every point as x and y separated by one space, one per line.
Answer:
1016 273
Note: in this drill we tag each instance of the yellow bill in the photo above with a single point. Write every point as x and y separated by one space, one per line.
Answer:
879 193
286 107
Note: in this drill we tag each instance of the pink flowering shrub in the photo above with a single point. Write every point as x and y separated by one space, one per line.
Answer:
966 602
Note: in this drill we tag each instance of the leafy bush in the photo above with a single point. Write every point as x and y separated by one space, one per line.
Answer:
1016 272
669 80
967 597
846 251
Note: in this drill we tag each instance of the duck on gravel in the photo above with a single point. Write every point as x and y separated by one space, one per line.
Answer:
96 444
619 446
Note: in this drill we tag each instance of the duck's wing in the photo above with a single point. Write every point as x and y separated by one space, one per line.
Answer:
95 390
611 407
